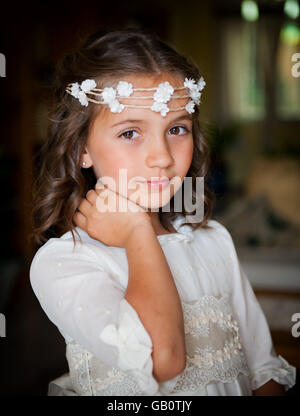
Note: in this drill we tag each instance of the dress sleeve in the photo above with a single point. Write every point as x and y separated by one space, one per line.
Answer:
263 362
86 304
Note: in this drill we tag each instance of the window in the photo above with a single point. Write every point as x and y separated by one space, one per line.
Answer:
242 79
256 63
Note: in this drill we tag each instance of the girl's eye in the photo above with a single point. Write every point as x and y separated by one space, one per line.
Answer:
179 127
128 134
127 137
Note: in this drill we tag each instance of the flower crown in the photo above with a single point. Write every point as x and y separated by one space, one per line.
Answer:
163 93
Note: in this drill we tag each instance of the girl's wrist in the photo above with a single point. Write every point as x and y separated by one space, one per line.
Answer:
141 230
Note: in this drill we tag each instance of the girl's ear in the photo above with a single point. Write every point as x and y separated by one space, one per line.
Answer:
86 160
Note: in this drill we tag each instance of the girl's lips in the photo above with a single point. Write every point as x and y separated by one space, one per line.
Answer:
157 184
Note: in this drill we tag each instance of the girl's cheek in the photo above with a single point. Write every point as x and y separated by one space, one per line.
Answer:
185 155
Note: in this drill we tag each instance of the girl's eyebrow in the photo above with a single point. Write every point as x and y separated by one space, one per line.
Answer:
181 118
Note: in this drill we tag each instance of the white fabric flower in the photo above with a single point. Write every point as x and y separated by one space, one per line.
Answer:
79 91
190 107
195 96
115 106
82 98
75 89
163 92
201 84
79 94
194 90
160 107
108 95
88 85
125 89
190 83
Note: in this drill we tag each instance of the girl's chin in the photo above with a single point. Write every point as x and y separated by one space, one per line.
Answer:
153 202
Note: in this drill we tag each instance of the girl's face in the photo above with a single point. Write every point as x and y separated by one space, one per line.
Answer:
144 144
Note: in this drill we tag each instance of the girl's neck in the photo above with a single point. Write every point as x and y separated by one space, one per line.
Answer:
158 228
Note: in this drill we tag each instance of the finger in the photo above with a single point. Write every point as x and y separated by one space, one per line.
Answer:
79 219
101 188
132 206
91 196
104 191
84 206
124 201
105 194
135 207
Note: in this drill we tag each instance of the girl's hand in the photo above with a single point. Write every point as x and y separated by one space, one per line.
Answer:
112 227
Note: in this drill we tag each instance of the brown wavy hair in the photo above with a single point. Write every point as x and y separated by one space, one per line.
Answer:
61 182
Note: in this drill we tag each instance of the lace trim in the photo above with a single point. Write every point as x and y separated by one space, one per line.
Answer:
214 350
199 373
78 360
214 354
107 381
208 309
117 383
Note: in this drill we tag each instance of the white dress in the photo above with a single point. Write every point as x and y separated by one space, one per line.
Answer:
228 343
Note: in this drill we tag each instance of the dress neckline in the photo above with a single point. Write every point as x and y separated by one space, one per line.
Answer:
183 233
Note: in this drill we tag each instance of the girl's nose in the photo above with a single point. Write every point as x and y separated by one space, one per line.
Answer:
158 153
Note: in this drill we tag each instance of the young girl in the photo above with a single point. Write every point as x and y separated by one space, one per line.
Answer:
148 302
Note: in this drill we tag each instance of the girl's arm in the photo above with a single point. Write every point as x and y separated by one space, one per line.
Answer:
271 388
152 292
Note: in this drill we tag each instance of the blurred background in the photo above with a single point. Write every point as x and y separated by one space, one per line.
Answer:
250 115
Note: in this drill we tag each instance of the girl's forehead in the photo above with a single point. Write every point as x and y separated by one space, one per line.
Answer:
143 117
